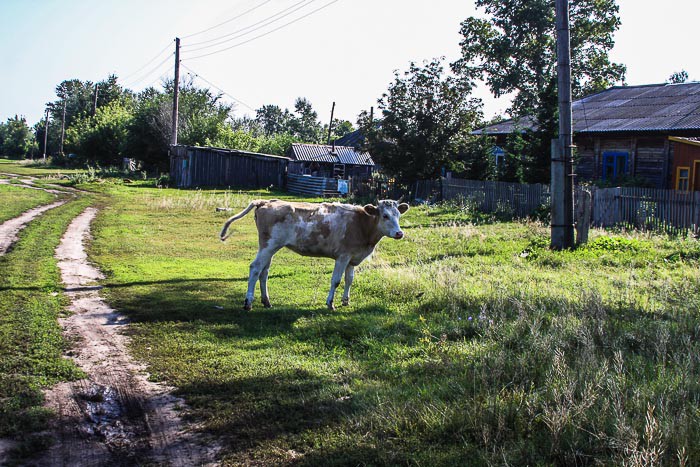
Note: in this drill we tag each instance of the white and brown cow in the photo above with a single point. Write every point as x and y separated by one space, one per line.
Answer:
344 232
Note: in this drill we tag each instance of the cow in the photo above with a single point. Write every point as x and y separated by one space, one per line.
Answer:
343 232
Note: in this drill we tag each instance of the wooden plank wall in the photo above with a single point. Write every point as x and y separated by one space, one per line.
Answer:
194 167
645 209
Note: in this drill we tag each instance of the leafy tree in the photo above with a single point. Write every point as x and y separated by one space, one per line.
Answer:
101 138
678 77
17 139
427 117
478 159
340 128
201 116
514 52
305 125
273 119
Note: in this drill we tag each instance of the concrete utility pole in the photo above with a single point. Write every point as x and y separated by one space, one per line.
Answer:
176 90
562 150
46 131
63 126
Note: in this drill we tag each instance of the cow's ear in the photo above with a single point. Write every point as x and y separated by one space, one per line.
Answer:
403 207
371 210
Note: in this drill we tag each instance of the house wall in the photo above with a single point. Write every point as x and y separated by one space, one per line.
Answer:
686 155
647 157
196 167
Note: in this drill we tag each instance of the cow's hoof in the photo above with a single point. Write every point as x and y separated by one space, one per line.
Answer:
247 306
330 306
346 301
266 302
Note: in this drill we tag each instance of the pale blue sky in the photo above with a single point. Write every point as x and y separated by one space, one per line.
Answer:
345 52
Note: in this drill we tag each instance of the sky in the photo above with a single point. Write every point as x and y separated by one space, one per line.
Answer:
343 51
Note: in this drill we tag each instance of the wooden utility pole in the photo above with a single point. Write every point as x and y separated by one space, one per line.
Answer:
176 90
562 186
63 126
94 103
46 131
330 125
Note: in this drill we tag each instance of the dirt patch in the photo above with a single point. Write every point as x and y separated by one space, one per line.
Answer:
115 416
10 229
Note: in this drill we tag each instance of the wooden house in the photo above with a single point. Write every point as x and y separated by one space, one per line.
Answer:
646 132
329 161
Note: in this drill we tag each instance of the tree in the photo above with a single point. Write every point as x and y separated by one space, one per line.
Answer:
273 119
514 51
101 138
678 77
305 125
202 116
427 118
17 139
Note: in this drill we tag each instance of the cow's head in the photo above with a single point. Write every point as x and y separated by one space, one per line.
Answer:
388 213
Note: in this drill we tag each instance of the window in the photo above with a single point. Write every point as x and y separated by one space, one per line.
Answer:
614 164
682 178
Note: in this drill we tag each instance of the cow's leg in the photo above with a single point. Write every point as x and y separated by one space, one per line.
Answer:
261 261
349 276
264 297
340 265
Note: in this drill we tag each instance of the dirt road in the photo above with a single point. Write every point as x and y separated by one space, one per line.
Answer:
115 416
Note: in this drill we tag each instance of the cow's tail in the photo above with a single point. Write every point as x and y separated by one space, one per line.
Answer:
253 204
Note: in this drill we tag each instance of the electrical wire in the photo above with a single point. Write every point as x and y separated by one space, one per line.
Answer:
266 33
227 21
149 62
248 27
197 75
150 72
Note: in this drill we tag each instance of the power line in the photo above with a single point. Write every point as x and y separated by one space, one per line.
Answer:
227 21
197 75
248 27
149 62
150 72
265 34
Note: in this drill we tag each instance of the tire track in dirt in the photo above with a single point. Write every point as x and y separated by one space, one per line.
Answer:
9 230
115 416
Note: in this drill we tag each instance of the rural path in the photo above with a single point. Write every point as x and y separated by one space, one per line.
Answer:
11 228
114 416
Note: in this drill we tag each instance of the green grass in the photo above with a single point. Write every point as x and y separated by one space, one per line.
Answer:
18 168
31 343
465 343
14 200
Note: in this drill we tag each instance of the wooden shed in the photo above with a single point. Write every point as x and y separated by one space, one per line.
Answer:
330 161
627 131
193 166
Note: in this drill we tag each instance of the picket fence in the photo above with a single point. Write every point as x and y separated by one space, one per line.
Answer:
645 209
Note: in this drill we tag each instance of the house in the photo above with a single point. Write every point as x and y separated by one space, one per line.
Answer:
650 132
329 161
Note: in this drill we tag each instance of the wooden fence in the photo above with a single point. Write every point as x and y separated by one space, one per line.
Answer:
518 200
645 209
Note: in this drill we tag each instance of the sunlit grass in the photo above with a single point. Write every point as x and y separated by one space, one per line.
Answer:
14 200
468 342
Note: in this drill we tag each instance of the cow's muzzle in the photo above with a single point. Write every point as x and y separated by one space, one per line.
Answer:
398 235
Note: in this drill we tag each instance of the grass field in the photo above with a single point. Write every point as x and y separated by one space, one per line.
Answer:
20 168
16 200
466 343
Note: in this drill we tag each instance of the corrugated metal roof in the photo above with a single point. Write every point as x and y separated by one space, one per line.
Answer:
651 108
324 153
